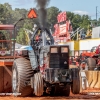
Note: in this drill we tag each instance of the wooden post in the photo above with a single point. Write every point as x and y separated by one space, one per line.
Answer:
1 79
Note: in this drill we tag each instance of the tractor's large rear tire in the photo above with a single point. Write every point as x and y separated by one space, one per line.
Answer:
22 72
38 84
75 86
91 63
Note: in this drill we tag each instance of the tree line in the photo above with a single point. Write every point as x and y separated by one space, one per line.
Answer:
10 16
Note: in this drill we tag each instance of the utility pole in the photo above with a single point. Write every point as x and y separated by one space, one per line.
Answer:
96 12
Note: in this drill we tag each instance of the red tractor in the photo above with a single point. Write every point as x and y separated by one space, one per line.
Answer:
91 60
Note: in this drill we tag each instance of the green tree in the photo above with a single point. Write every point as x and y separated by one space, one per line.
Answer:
85 22
52 13
76 21
2 13
70 15
21 37
10 16
8 6
5 13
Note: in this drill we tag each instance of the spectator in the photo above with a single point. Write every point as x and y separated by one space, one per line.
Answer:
83 36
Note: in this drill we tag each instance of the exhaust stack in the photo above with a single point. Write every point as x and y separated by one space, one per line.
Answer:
42 12
42 15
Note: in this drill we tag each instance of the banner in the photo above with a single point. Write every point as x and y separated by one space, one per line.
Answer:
62 17
56 29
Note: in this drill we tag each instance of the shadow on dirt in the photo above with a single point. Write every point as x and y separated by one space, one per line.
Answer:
28 92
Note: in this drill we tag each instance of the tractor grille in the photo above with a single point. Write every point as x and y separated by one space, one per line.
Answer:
54 61
59 61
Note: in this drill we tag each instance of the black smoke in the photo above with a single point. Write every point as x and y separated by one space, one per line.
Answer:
42 12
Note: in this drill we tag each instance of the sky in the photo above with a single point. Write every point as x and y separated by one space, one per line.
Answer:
77 6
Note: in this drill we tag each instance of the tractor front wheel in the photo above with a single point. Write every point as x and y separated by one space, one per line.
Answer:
38 84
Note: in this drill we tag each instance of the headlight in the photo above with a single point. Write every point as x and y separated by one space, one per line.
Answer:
54 50
64 50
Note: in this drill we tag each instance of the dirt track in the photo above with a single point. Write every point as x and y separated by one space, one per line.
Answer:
82 97
72 96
